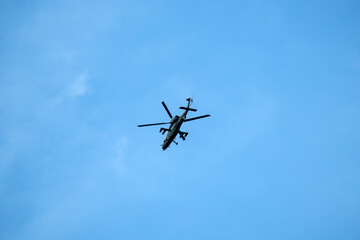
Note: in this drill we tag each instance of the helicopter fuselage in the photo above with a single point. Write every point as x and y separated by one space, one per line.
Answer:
174 128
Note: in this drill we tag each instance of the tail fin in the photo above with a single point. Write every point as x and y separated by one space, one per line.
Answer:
188 105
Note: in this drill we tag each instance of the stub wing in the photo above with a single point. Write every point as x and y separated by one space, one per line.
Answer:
163 130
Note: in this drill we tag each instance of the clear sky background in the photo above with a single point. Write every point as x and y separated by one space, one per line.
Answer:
278 159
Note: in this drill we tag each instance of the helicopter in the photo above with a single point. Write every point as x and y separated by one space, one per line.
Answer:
175 124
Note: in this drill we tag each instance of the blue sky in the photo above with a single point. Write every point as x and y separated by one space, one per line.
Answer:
278 159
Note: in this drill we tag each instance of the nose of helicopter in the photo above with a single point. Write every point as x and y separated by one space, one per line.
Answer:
165 144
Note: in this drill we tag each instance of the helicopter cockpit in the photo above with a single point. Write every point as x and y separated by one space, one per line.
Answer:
174 120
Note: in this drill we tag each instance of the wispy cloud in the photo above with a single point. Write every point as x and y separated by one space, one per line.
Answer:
78 87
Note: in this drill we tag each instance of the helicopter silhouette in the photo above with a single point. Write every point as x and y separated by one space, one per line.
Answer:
175 124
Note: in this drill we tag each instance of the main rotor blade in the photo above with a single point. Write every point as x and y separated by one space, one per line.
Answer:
167 110
203 116
152 124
